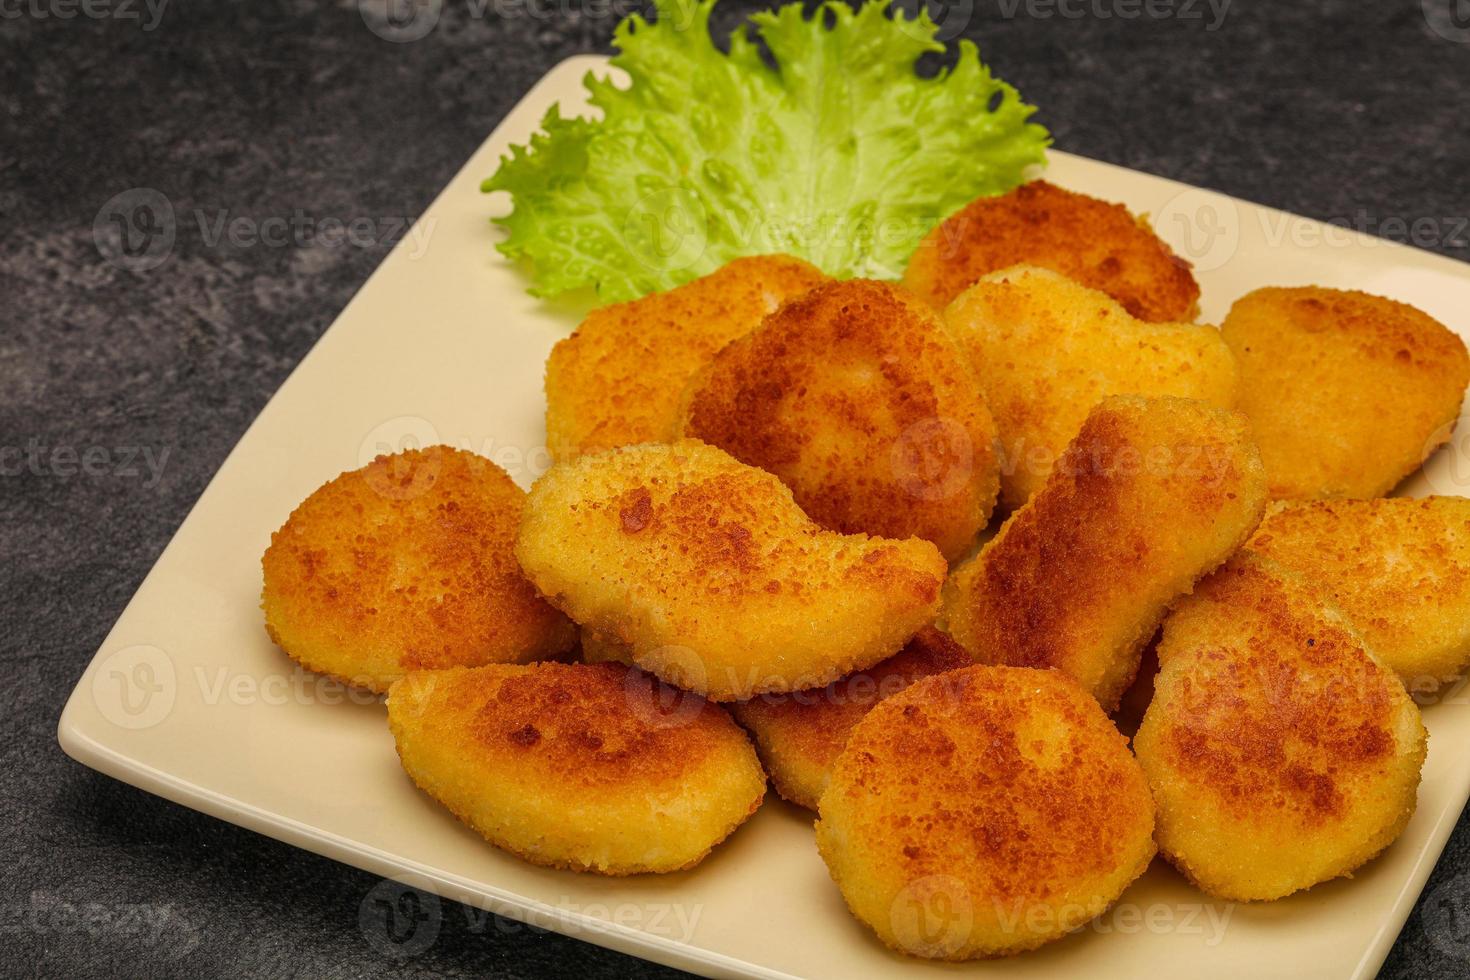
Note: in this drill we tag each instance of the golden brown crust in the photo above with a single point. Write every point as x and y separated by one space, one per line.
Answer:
1281 753
588 767
713 577
1093 242
854 395
800 734
1398 568
1347 392
617 380
1004 793
1152 494
1047 349
405 564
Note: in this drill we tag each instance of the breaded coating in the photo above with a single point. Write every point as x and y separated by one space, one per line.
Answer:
1047 349
1280 751
1093 242
617 380
577 766
984 812
407 564
799 735
1347 392
1398 568
1150 496
856 397
714 579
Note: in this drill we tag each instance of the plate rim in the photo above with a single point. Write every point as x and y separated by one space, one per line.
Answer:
84 748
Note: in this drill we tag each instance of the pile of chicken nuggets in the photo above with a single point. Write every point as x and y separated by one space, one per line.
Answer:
914 553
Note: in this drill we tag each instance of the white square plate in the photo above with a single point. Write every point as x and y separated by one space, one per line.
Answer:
188 699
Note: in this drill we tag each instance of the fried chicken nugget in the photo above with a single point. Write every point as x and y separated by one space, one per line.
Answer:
1151 495
1047 349
577 766
984 812
1280 751
856 397
1093 242
1398 568
799 735
617 380
714 579
407 564
1347 392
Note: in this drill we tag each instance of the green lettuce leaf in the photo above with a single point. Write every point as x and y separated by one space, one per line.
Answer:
840 154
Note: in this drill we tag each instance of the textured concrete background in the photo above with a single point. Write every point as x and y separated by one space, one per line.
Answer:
123 389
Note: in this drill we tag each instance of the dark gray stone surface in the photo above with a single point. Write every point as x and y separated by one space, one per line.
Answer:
1333 109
